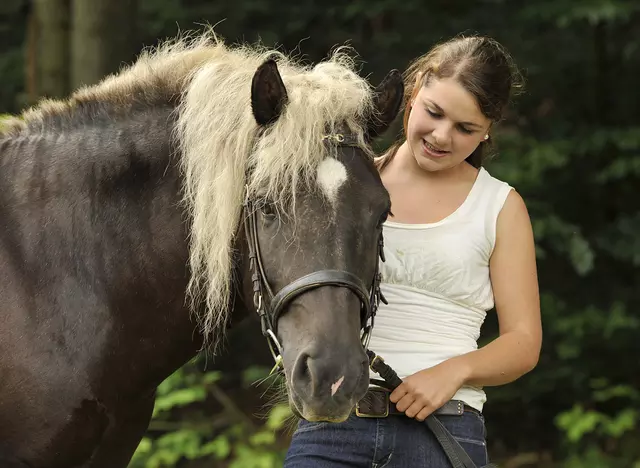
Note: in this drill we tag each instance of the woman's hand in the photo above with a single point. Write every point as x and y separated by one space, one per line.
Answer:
422 393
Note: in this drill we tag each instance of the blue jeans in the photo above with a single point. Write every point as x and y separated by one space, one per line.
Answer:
391 442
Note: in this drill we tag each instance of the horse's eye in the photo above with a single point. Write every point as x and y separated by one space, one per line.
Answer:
267 209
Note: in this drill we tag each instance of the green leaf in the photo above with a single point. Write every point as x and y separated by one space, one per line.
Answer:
174 381
212 377
144 449
617 391
278 415
262 438
578 422
220 447
581 254
619 169
619 319
623 422
178 398
185 443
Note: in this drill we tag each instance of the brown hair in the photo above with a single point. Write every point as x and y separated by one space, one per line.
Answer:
480 65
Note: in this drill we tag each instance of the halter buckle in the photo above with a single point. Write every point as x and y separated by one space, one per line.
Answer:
375 361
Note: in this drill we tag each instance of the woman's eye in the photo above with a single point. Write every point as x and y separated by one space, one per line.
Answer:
433 114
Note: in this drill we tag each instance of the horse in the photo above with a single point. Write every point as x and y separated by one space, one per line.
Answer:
145 215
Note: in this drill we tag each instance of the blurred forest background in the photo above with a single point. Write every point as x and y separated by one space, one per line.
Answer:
571 146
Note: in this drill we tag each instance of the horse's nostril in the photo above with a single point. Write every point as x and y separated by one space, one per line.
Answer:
339 376
301 371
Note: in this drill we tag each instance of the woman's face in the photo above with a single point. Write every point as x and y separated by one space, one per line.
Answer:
445 125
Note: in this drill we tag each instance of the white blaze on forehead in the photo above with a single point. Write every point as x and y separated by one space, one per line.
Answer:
331 175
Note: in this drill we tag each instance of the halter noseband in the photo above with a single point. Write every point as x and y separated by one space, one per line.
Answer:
270 306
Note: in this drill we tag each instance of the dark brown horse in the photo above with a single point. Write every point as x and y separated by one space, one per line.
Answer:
123 249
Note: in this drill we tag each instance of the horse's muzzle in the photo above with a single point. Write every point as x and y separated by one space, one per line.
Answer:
326 386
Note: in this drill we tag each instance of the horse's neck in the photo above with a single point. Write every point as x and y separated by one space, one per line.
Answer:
98 238
105 193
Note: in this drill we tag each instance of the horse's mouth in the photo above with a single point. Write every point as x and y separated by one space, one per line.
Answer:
293 404
298 409
332 410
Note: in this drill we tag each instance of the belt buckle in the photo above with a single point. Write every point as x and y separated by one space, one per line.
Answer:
368 411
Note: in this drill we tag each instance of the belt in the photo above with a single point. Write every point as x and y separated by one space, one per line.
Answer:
376 404
371 407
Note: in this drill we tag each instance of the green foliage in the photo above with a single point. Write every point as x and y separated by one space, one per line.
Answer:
583 426
181 429
579 422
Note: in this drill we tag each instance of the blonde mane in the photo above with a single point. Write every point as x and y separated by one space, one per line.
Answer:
220 142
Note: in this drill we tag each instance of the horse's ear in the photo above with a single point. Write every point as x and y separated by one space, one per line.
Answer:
268 93
387 101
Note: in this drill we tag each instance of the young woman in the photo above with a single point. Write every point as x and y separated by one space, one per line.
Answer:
458 243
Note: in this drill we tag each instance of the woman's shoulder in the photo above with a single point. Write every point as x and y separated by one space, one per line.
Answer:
512 212
515 208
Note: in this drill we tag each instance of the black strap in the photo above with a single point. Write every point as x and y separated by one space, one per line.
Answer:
452 449
315 280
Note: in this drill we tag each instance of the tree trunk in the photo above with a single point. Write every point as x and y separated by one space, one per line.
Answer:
48 49
103 38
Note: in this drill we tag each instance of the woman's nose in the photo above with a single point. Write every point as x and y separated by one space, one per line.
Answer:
441 135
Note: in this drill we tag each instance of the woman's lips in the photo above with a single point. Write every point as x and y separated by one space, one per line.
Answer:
432 150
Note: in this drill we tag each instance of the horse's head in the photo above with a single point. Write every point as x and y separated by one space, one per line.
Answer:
314 264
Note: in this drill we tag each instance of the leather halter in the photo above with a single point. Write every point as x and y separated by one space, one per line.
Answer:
270 306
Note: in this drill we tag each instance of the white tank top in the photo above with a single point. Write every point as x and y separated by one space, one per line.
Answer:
436 280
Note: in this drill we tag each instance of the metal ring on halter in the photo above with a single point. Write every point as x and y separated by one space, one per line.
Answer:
337 137
365 338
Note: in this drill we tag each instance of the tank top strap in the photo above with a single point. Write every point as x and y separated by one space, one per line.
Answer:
488 199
